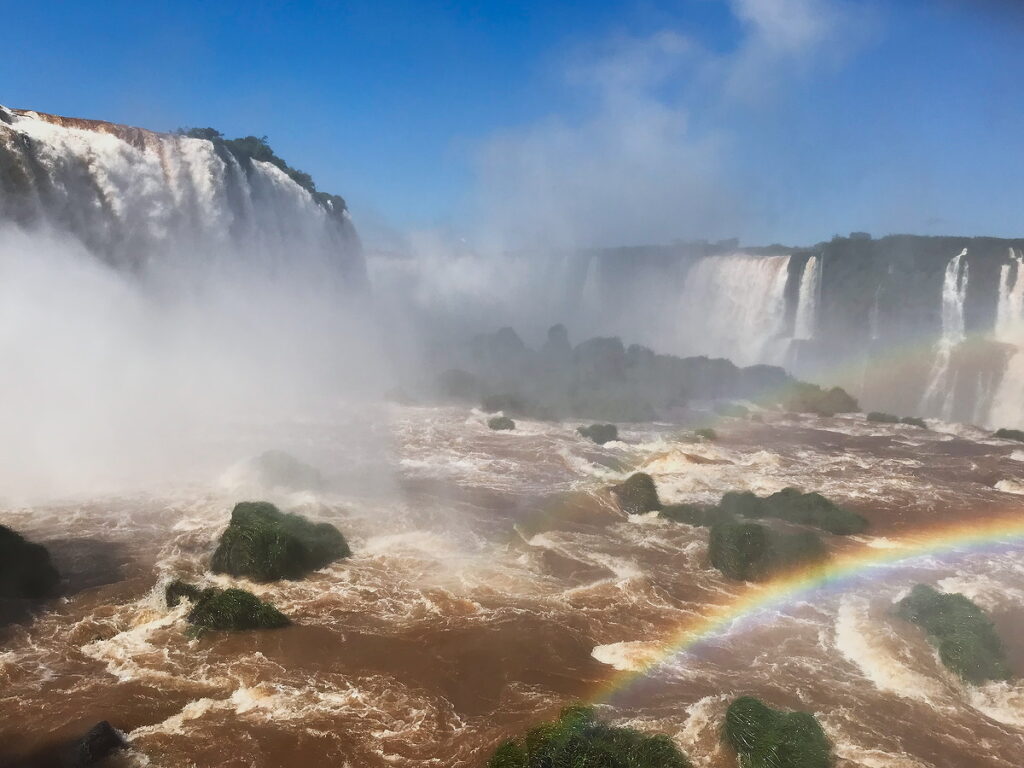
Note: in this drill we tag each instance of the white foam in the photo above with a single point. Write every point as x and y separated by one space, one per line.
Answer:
868 643
632 656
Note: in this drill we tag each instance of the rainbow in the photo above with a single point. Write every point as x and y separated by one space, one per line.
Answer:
987 534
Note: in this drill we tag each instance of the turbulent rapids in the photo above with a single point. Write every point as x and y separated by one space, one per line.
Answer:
190 325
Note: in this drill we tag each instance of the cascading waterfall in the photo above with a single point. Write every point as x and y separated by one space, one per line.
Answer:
939 393
807 300
736 307
134 197
1008 403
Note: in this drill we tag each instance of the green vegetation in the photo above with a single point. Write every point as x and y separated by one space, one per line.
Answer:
264 544
638 494
249 148
754 552
578 740
883 418
25 568
888 418
802 397
1010 434
224 609
600 433
706 434
791 505
501 423
770 738
966 639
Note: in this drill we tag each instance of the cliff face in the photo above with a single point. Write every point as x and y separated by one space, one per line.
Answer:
134 197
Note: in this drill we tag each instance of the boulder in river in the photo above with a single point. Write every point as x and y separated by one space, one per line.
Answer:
25 568
600 433
964 634
770 738
264 544
580 740
754 552
501 423
224 609
791 505
638 494
1010 434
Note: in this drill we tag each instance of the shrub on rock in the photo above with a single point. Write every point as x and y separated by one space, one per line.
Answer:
264 544
965 636
637 494
754 552
579 740
600 433
769 738
501 423
25 568
1010 434
225 609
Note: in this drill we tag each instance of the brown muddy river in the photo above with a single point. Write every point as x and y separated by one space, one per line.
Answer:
494 581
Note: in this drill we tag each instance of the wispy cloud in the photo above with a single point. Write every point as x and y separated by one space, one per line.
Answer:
637 166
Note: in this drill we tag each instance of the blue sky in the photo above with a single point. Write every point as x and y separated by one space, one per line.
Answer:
570 122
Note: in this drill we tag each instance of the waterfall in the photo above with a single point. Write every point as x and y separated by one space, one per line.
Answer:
735 306
1008 402
134 197
939 393
807 301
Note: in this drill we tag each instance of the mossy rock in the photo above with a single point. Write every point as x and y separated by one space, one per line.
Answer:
224 609
501 423
578 740
802 397
706 434
770 738
914 421
264 544
965 636
883 418
1010 434
753 552
600 433
791 505
25 568
638 494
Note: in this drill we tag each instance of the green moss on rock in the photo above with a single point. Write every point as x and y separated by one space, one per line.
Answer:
965 636
600 433
264 544
769 738
638 494
754 552
1010 434
802 397
501 423
883 418
25 568
224 609
791 505
578 740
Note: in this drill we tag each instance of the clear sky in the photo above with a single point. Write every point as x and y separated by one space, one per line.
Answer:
575 122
